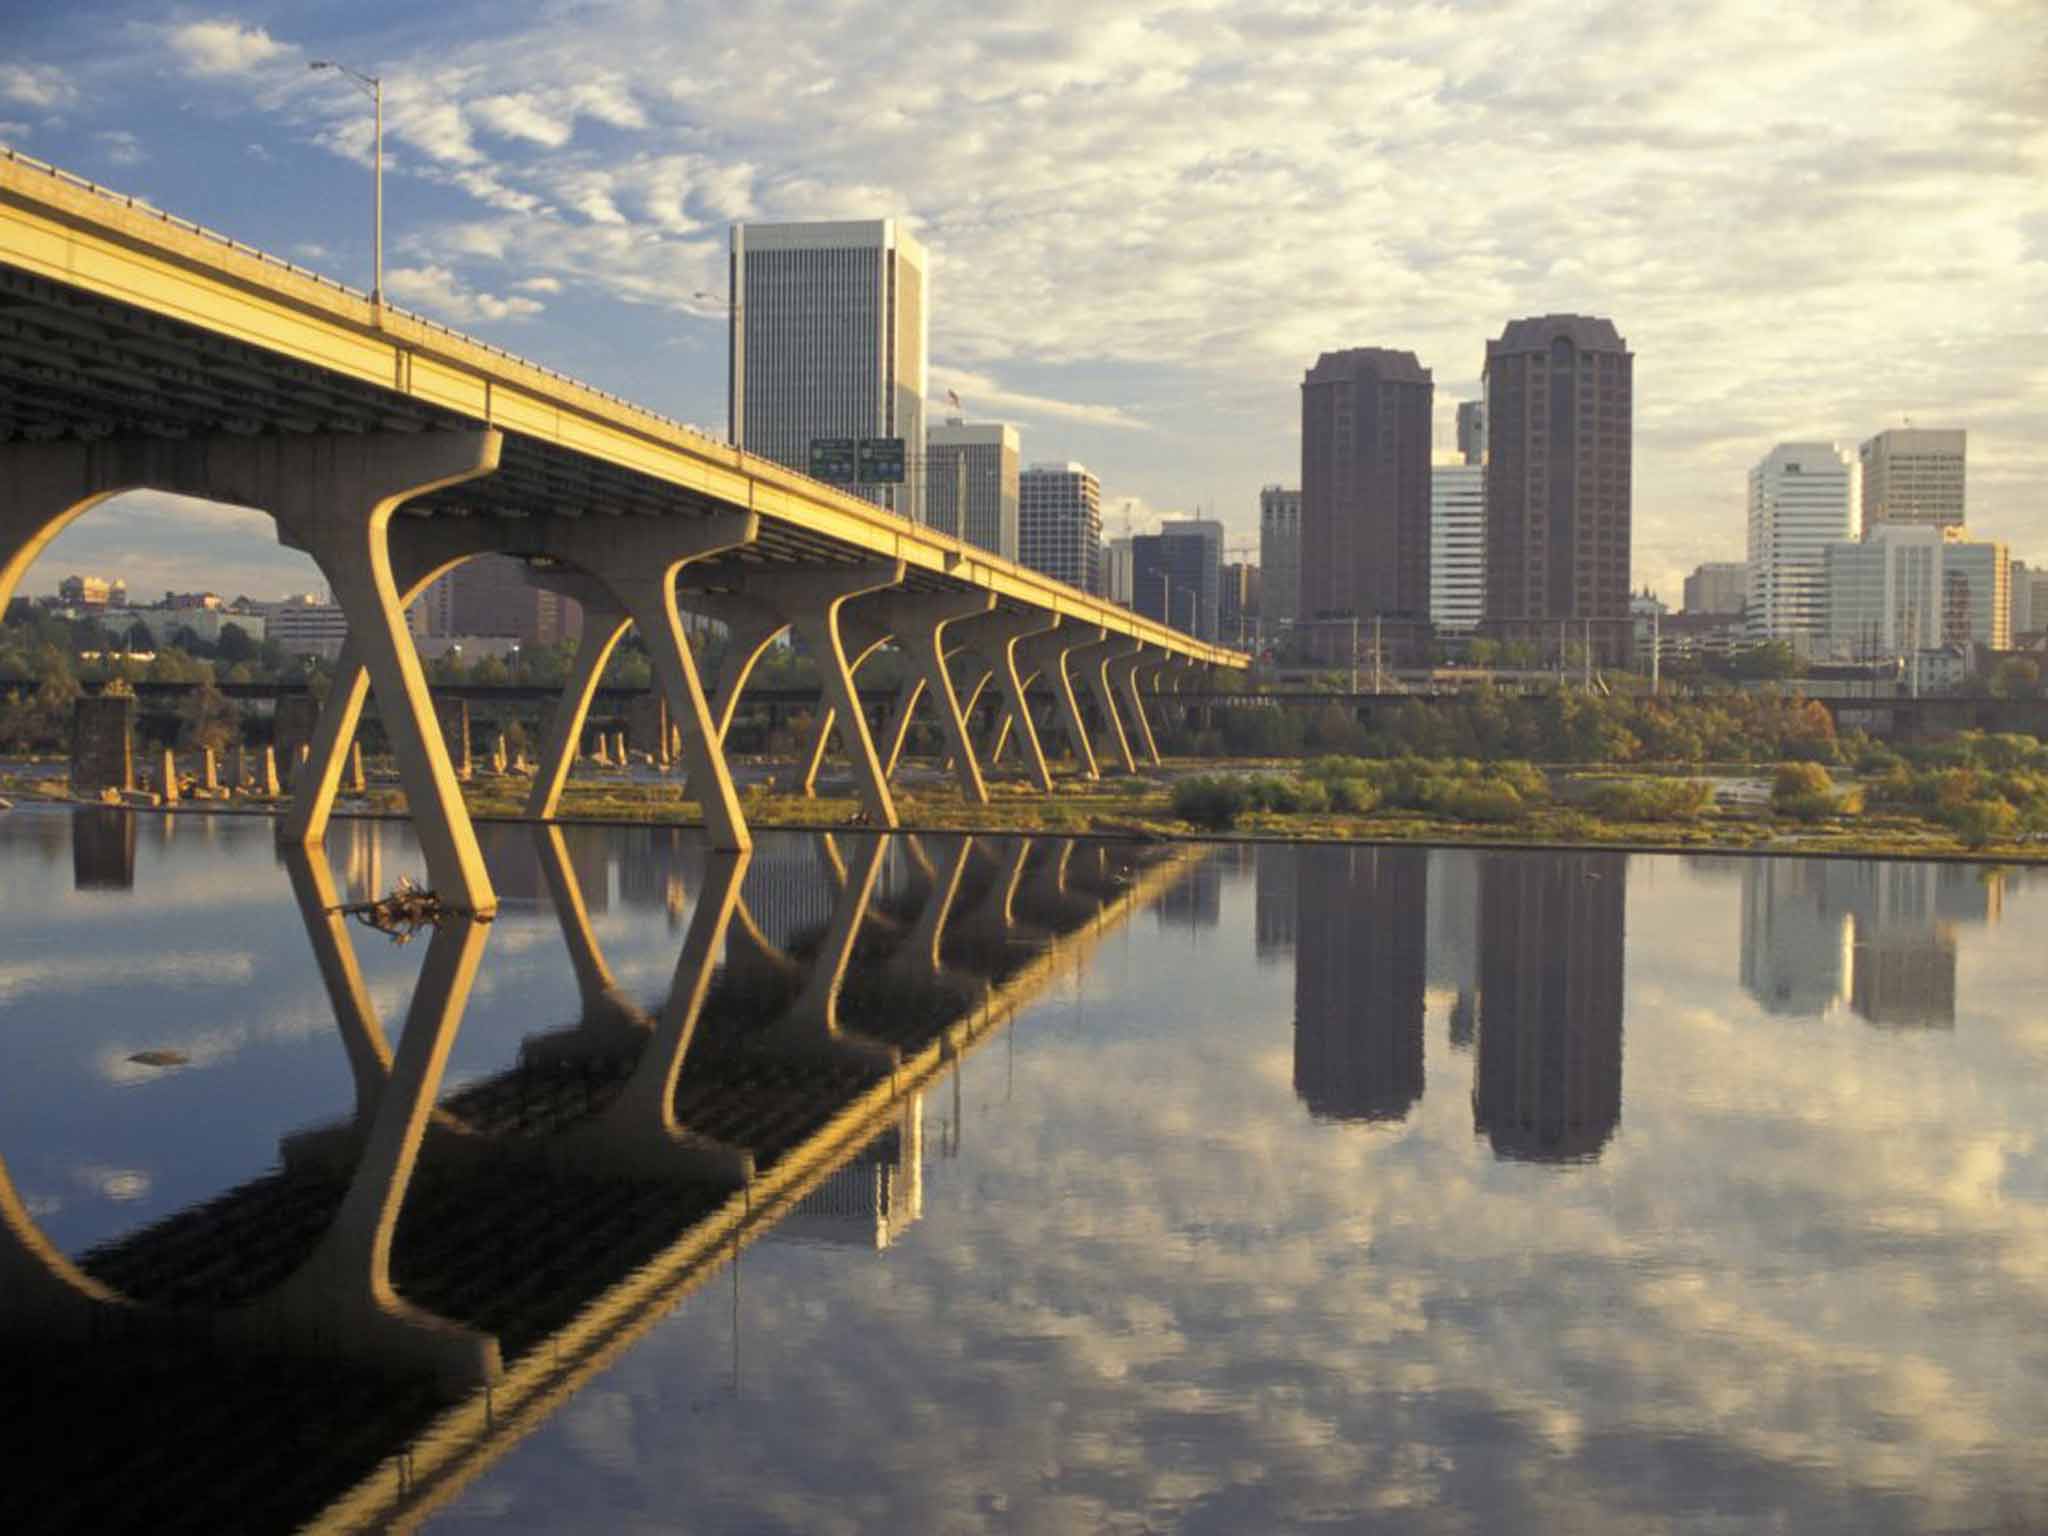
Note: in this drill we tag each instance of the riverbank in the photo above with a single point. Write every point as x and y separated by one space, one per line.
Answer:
1142 806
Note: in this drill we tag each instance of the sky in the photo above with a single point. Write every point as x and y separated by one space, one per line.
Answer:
1146 219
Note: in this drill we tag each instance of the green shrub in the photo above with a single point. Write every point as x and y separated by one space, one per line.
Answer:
1356 796
1211 800
1470 801
1983 821
1816 805
1653 799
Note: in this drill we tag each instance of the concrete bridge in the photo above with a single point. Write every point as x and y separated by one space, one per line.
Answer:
346 1343
138 351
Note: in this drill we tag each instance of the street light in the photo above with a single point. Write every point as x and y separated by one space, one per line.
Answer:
735 331
374 89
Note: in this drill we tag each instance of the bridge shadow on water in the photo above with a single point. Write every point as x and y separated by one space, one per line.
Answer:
350 1339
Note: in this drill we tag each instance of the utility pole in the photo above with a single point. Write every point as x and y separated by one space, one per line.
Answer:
1354 653
1378 677
1656 651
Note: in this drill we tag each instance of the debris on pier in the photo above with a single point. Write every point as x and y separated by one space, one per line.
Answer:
402 914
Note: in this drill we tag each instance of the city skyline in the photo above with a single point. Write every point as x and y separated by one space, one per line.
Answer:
570 201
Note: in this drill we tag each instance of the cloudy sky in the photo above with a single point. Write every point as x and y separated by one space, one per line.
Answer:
1146 218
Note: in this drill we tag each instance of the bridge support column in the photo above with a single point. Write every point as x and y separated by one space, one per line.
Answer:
751 626
422 549
1047 654
637 561
603 628
997 638
1093 664
1124 674
920 623
812 603
334 498
861 641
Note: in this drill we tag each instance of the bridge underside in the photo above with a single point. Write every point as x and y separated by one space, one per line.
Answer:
386 491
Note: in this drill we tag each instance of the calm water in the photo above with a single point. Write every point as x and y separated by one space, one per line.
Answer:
1278 1189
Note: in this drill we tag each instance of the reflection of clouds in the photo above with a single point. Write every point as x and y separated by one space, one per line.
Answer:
22 979
1805 1276
117 1184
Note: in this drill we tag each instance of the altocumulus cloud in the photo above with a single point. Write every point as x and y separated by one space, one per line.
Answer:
1176 208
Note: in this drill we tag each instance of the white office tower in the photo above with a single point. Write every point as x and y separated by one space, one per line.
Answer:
1905 588
1914 475
829 339
971 488
1280 556
1116 571
1802 498
1059 524
1457 545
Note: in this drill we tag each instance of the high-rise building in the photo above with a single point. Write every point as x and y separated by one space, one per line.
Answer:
1802 498
2029 600
1280 554
1457 545
1547 1085
1904 588
1361 940
1365 466
978 458
1176 575
1718 586
1559 459
1914 475
1472 431
1059 524
829 339
1237 611
1976 593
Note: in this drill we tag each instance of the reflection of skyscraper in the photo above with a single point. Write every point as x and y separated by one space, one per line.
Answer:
1880 935
1358 981
1795 936
1273 922
658 866
1196 899
515 863
874 1197
1547 1087
1453 964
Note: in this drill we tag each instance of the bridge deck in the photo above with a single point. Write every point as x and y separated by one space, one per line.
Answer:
116 318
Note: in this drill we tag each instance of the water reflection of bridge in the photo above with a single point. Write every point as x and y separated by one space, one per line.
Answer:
459 1265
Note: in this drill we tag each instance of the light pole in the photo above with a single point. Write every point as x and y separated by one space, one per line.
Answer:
374 88
735 339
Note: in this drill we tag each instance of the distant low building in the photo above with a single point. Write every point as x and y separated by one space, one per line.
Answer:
90 592
1717 586
205 624
306 628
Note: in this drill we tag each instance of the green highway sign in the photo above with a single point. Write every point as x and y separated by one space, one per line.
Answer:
881 461
835 459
